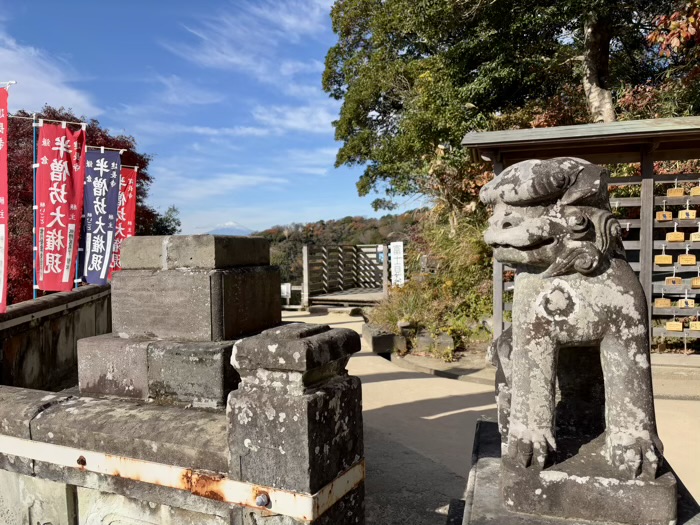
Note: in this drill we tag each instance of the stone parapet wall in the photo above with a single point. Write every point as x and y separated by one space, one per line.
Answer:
38 339
200 407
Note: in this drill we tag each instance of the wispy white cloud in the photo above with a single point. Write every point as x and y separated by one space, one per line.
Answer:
181 188
318 161
41 79
311 118
177 91
170 95
253 37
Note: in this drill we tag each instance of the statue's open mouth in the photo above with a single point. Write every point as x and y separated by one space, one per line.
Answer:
528 247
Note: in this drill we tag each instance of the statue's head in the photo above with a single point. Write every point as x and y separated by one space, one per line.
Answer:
553 214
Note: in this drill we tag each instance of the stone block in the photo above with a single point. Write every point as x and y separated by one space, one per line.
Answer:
195 305
102 508
25 500
296 347
587 488
297 443
111 365
381 341
425 342
194 251
247 300
163 434
196 373
18 407
11 511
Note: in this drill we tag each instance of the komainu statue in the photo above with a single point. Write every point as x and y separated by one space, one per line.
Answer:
574 376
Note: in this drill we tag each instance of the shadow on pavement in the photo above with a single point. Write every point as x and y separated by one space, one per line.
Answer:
418 456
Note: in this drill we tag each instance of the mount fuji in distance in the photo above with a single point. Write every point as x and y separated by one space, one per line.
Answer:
231 228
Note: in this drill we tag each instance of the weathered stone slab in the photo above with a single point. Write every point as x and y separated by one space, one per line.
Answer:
196 373
382 342
111 365
297 347
101 508
298 443
25 500
194 251
426 342
247 300
169 435
586 487
195 305
18 407
484 504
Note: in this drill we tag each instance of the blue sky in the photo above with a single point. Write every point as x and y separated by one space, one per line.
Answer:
225 95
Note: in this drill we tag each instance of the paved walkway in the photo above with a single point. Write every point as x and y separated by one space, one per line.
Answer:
419 431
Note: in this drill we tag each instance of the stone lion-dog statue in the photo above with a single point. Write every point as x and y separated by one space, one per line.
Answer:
552 222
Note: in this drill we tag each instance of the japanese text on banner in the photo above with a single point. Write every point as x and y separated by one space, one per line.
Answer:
59 201
102 183
4 211
126 216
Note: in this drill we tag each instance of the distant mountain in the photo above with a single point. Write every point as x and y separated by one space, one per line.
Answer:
231 228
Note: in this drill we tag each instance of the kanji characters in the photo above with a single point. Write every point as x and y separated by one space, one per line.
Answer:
57 193
54 240
62 145
53 263
96 263
57 215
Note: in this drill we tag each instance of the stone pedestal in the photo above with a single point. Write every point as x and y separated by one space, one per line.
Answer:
295 422
176 307
595 495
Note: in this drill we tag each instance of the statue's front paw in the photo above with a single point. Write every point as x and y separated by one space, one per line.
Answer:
633 457
533 452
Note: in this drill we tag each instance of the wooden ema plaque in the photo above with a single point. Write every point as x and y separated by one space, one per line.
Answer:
687 214
695 283
675 192
695 326
662 302
695 237
673 281
674 326
695 192
675 237
687 259
663 260
664 216
686 303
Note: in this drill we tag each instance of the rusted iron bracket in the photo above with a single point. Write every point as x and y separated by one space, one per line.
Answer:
300 506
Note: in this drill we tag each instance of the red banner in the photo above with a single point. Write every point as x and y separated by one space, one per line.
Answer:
4 212
59 200
126 216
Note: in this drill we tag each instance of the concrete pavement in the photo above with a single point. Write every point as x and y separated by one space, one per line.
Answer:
419 431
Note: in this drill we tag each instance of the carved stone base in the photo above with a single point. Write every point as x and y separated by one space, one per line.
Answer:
583 487
586 503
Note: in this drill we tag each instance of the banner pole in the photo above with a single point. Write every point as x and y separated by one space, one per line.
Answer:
34 208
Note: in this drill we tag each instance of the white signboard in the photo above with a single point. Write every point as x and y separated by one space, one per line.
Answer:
398 277
286 290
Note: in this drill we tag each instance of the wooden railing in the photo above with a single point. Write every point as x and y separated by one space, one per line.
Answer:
335 268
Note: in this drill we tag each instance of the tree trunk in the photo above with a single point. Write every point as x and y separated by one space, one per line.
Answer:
596 61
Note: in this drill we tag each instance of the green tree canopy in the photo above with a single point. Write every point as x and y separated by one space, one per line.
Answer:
415 75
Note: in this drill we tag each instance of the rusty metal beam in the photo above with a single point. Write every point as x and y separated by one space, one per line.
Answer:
300 506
